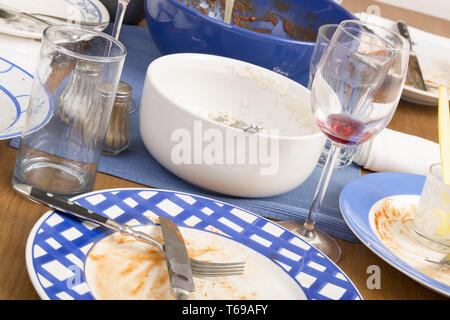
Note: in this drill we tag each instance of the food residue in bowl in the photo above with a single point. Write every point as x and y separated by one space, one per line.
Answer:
246 14
227 118
119 267
264 81
283 110
245 94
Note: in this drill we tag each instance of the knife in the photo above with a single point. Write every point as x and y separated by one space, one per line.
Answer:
414 74
69 207
177 258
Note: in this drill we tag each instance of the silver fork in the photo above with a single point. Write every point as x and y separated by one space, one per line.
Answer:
199 268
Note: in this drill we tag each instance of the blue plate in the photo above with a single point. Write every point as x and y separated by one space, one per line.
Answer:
356 200
58 245
15 89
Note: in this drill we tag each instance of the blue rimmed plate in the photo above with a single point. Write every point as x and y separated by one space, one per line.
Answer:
58 246
15 89
85 11
362 198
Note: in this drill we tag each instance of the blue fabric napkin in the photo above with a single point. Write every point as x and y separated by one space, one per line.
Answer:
136 164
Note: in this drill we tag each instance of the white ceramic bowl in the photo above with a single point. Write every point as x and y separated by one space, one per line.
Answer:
181 95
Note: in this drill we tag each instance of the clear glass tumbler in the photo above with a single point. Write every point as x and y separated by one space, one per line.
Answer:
432 218
77 75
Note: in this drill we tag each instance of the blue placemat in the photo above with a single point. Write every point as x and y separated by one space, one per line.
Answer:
136 164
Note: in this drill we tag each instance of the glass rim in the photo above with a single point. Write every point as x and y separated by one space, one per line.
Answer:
327 26
435 170
81 56
390 48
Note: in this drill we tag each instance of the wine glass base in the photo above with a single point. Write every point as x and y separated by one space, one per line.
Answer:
321 241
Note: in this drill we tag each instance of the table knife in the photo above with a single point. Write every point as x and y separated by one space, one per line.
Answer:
178 263
69 207
414 73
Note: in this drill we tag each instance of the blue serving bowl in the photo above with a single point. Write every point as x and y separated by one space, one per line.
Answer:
178 28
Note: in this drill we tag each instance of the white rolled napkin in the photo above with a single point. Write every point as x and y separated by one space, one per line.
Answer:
393 151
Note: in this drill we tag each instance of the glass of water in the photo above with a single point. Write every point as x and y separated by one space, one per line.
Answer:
76 78
324 35
432 218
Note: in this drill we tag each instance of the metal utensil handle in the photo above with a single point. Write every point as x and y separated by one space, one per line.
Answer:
414 73
67 206
66 20
78 211
403 29
24 14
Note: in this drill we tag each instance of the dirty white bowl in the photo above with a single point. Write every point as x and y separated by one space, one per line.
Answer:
184 92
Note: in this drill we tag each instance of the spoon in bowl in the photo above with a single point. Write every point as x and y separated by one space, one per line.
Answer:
227 120
228 11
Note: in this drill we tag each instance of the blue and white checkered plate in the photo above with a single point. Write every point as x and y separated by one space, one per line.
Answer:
59 247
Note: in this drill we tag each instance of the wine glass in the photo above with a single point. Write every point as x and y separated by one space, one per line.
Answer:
324 35
355 91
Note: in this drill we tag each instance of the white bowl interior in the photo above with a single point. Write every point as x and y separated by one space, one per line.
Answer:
212 86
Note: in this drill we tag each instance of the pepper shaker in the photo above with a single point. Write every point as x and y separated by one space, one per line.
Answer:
118 135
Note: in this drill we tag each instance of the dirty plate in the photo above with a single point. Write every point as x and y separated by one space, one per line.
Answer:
85 11
15 89
379 209
432 53
69 259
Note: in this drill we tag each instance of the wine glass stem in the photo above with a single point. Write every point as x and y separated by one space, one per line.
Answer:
327 171
120 13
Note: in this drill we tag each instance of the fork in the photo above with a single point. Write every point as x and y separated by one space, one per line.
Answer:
199 268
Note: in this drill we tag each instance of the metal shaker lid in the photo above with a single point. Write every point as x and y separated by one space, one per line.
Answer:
124 90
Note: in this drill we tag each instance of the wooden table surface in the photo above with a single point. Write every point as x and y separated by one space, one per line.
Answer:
18 215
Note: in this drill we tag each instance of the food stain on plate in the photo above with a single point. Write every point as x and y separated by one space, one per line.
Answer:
119 267
392 220
435 72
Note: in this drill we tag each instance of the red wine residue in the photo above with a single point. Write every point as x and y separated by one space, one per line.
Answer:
343 129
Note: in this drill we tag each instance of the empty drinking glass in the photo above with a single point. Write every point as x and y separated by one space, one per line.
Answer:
77 75
432 218
324 35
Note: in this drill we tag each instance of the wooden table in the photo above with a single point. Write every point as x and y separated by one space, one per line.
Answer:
18 215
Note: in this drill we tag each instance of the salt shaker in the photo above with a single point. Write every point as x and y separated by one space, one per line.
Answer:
80 92
118 135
